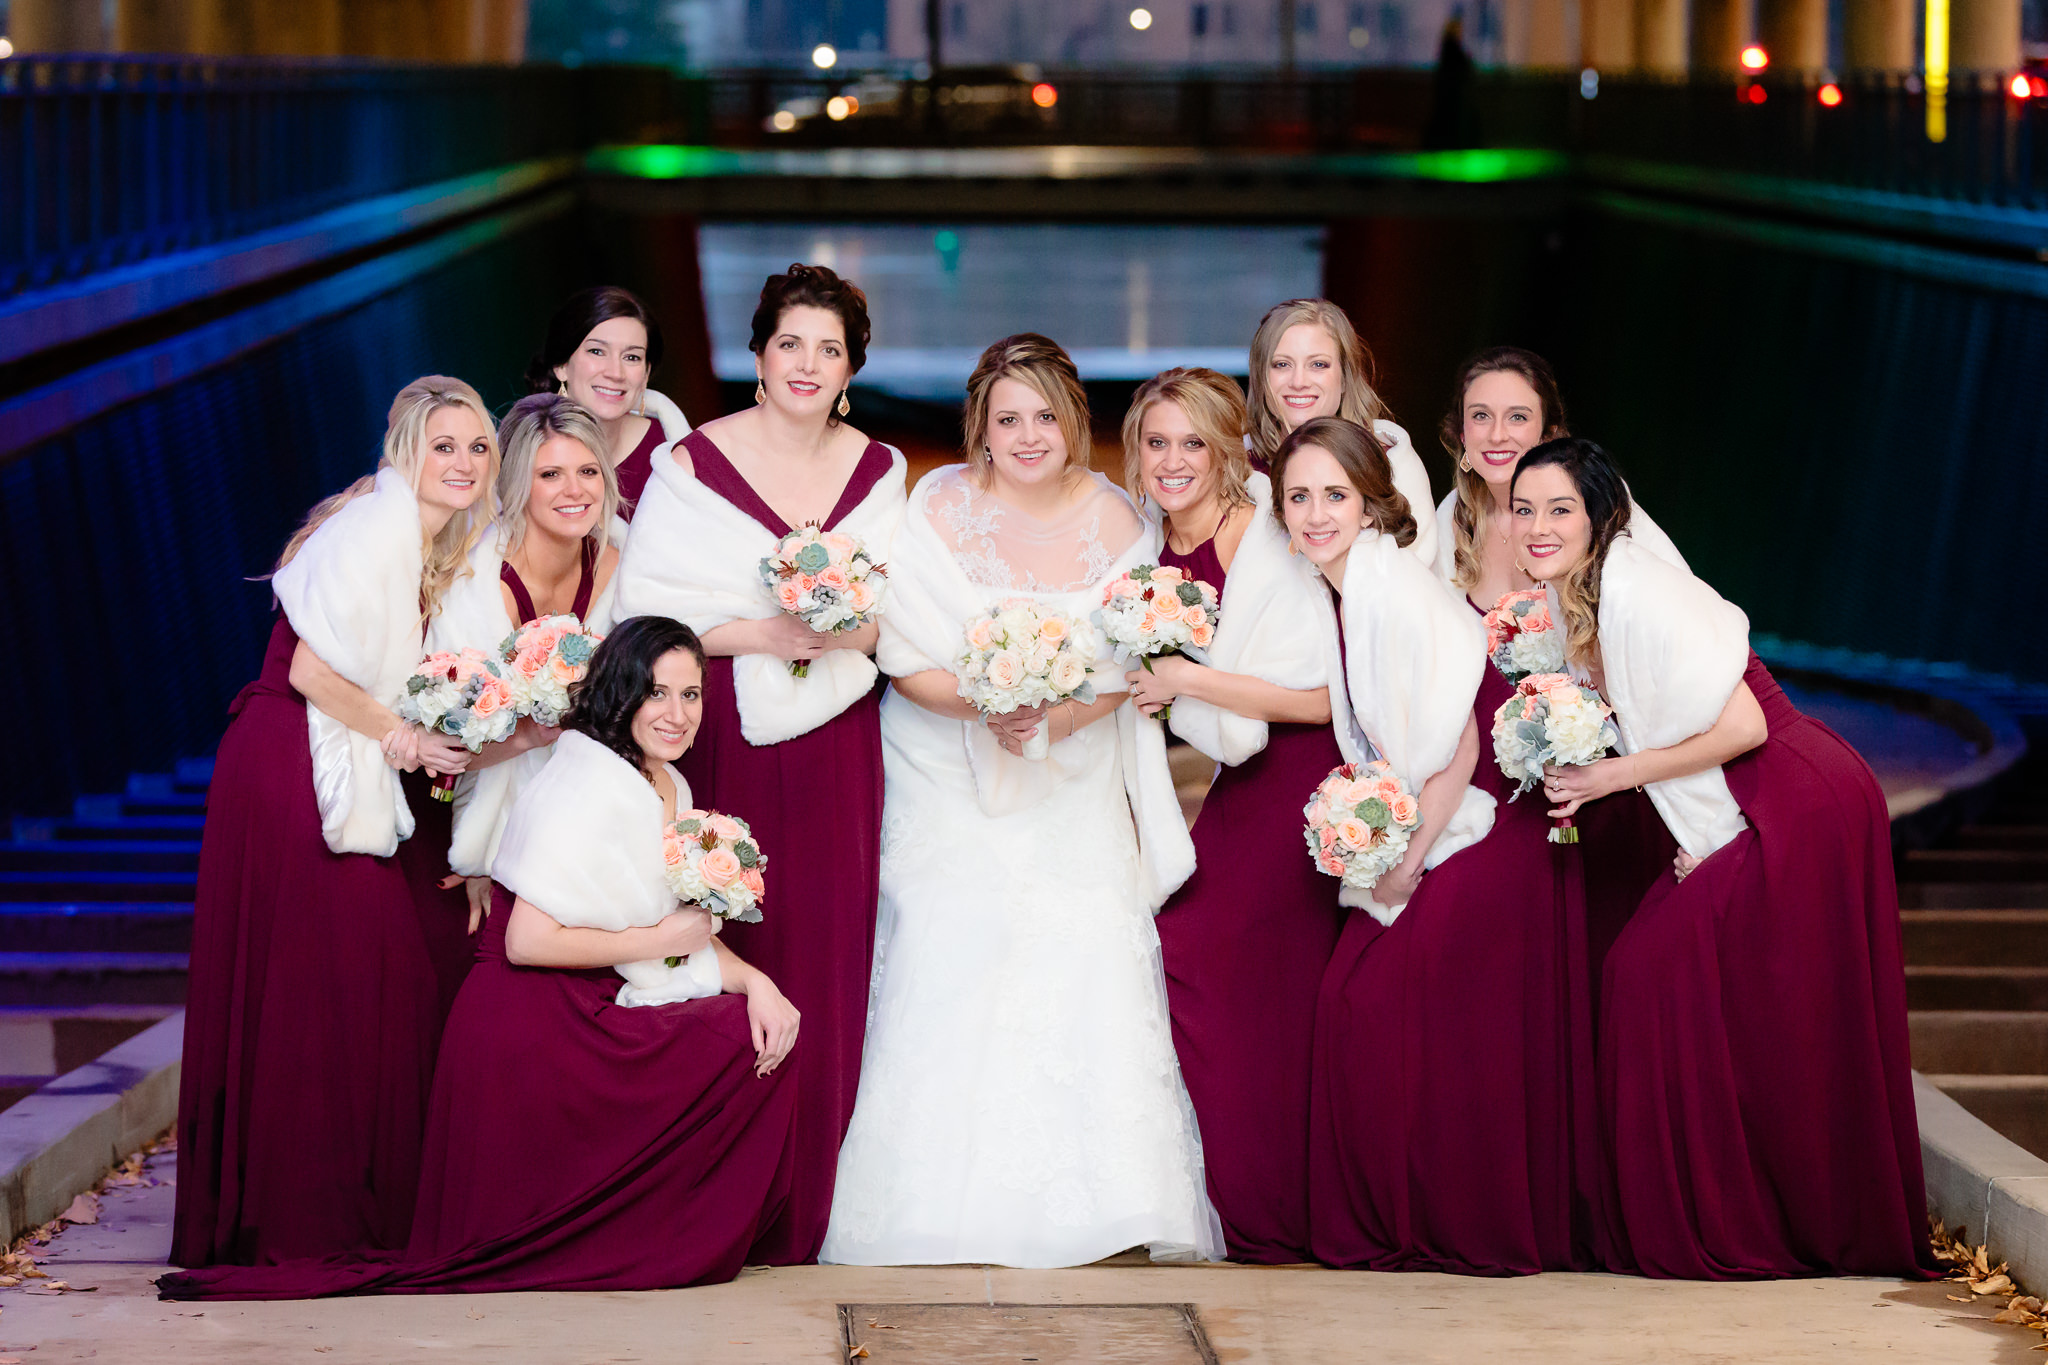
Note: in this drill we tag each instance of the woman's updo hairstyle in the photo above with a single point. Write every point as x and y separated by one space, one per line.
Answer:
621 677
580 315
1473 495
1364 461
814 286
1605 493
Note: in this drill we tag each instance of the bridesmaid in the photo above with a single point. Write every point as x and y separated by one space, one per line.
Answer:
548 554
310 957
601 346
1754 1081
798 758
1240 980
649 1144
1308 361
1420 1159
1507 403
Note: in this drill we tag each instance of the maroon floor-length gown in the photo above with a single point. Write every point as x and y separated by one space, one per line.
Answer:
1755 1081
1454 1116
637 1149
816 940
313 1015
637 468
1245 942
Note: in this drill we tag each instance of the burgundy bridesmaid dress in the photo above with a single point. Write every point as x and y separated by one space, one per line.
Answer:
815 804
637 1149
1453 1122
1245 942
1754 1077
636 469
315 1010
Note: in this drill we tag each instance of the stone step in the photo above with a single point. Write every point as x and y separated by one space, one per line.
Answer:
97 886
1973 895
1982 938
174 828
2001 836
48 1041
1976 988
99 855
2016 1106
96 926
1980 1042
1975 865
93 978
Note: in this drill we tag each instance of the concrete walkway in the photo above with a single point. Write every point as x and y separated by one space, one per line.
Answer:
1248 1315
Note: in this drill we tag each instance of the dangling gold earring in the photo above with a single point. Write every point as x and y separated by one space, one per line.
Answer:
1465 461
760 392
844 406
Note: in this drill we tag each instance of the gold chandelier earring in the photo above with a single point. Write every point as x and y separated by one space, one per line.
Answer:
760 392
1465 460
844 406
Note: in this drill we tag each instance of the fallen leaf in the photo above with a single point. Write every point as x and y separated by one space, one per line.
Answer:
9 1281
2000 1283
321 1350
857 1353
476 1316
1958 1298
2013 1315
84 1209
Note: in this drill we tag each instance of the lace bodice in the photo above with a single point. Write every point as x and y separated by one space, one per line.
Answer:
997 546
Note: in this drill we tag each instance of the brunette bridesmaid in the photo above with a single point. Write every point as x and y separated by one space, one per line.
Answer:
643 1146
310 954
1422 1155
800 758
1246 938
1754 1080
602 345
1308 361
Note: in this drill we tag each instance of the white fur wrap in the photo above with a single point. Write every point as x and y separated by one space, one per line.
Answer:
1269 627
353 595
930 603
1411 481
473 616
583 846
695 557
1672 651
1413 657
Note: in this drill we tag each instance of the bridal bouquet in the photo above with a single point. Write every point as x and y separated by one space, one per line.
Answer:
825 579
1521 637
463 695
1551 719
1360 821
1021 654
541 659
712 862
1157 609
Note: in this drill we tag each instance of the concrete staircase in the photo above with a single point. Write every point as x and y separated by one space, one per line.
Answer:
96 923
1975 912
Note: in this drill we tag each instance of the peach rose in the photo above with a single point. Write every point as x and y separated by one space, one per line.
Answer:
841 546
982 634
1123 587
1151 621
1356 790
1404 809
1169 575
789 596
1318 811
833 578
1196 618
724 826
1538 618
672 851
1053 630
719 867
528 664
488 702
1354 833
565 671
860 597
754 882
1327 837
1167 607
1331 864
1004 670
1202 635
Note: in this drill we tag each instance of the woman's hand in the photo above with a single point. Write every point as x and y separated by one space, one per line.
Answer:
1684 863
773 1022
478 889
439 754
401 746
1012 728
683 933
1574 785
1397 884
1159 685
785 637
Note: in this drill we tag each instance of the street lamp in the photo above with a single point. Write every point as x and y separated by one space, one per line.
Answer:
824 56
1141 19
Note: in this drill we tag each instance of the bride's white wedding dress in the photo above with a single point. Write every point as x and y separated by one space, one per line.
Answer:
1019 1101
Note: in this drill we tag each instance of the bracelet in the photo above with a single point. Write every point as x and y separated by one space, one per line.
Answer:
1071 727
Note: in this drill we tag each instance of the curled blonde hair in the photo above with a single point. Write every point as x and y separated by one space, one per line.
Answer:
533 420
445 556
1040 363
1214 407
1357 400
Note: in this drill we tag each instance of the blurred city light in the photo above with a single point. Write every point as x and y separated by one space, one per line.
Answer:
838 107
824 56
1141 19
1830 94
1589 83
2022 88
6 49
1934 62
784 121
1755 94
1754 58
1044 96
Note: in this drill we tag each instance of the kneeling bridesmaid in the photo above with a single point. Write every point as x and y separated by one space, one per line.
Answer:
587 1134
1754 1081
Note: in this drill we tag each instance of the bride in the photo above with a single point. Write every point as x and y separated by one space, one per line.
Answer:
1019 1099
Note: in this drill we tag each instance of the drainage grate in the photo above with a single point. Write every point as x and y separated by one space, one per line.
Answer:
1047 1333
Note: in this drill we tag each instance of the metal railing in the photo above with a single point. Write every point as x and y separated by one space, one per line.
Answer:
106 161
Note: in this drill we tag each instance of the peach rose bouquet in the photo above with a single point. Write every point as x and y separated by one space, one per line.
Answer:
712 862
1551 719
825 579
1522 636
464 695
1157 609
542 660
1021 654
1360 821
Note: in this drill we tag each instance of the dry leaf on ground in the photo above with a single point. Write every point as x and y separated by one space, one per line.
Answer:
84 1208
